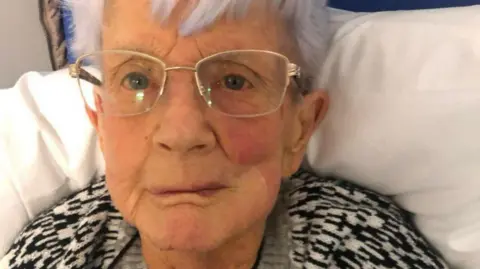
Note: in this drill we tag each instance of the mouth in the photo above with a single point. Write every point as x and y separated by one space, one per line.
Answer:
206 190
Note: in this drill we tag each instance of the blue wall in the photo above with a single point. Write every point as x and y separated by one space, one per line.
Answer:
386 5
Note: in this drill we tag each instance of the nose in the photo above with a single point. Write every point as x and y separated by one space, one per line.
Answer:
182 126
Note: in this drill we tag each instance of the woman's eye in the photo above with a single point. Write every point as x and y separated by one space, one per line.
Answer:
136 81
235 82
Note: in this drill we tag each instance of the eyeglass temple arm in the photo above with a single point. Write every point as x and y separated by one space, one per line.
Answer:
294 71
303 83
77 72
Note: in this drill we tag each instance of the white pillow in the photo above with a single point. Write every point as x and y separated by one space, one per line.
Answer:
48 148
405 119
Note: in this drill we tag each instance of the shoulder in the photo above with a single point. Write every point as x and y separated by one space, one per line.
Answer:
43 242
342 224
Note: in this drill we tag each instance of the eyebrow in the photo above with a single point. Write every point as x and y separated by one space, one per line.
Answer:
138 49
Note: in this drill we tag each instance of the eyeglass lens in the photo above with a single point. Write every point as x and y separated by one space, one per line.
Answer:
235 83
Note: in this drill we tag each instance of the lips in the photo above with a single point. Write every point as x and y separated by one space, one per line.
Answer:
202 190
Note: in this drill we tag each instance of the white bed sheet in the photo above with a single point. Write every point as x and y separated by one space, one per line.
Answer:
48 149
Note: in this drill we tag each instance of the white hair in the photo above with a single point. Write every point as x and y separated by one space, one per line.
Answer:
308 19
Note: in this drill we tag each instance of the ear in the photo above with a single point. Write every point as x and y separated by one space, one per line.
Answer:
309 113
92 116
94 119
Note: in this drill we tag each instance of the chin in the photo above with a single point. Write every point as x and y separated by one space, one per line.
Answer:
185 228
186 242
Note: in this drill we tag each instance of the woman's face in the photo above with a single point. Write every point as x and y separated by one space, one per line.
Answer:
186 176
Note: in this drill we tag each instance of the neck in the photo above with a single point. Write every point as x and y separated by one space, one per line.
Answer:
237 253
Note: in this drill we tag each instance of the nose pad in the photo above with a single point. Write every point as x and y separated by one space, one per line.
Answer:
207 95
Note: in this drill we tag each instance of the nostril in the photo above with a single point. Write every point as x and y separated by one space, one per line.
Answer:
194 148
165 147
199 147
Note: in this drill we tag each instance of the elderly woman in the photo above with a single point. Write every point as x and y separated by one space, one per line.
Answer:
203 110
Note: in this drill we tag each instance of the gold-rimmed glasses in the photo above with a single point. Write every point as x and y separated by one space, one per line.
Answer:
239 83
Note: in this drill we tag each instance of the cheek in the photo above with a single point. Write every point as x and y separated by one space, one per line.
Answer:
125 145
251 142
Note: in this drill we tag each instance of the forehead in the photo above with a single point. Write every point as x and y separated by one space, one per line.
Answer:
132 25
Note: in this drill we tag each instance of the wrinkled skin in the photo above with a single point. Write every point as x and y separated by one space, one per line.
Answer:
182 143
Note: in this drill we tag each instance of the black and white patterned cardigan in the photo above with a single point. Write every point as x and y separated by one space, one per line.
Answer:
317 223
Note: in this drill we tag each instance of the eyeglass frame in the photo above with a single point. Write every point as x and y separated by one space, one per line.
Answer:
293 72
